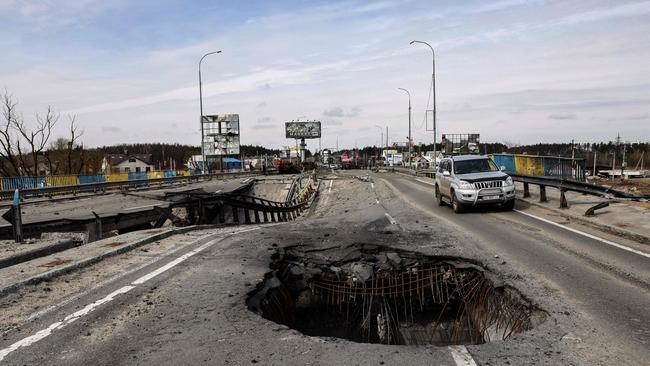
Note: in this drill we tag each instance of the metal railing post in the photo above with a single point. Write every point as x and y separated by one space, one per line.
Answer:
18 219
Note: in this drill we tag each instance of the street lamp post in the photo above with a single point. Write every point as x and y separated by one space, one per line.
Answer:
381 130
201 111
409 142
433 83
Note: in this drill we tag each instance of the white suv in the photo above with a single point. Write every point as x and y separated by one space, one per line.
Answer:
470 180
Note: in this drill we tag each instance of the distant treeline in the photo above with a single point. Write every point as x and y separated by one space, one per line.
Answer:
603 151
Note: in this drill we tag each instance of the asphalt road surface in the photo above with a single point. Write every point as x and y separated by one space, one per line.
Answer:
608 284
188 308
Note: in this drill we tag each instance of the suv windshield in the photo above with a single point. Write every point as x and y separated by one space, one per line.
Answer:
474 166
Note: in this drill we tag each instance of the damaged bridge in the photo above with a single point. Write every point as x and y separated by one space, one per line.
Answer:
215 202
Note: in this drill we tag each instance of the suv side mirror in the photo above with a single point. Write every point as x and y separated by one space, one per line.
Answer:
446 173
502 168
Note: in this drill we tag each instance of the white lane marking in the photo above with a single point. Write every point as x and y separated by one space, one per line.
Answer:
112 279
219 191
631 250
372 185
391 219
135 208
329 190
59 325
461 356
425 182
68 300
92 306
179 260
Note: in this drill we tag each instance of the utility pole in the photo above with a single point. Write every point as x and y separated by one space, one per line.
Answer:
409 137
624 163
381 131
387 144
613 163
433 87
618 141
201 111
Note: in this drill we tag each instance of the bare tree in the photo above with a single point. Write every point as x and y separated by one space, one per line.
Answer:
35 140
66 154
8 162
75 135
18 142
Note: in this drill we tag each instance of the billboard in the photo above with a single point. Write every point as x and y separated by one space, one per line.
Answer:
303 130
461 143
221 135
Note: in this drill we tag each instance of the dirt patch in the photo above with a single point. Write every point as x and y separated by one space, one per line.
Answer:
56 262
640 186
375 294
116 244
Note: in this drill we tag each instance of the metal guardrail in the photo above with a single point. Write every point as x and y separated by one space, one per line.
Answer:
562 184
101 187
574 186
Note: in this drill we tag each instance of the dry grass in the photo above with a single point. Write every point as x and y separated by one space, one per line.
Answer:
639 186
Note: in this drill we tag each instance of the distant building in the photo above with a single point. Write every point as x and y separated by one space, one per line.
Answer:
122 163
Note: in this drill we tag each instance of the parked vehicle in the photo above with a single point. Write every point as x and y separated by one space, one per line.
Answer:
470 180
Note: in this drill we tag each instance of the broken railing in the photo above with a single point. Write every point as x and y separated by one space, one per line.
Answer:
122 185
564 185
299 185
199 208
235 208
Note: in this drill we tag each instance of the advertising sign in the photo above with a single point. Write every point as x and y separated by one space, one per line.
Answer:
221 135
461 143
303 130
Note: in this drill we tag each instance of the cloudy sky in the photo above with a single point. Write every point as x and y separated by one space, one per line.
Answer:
512 70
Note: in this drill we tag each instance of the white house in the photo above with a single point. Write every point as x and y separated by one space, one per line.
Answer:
121 163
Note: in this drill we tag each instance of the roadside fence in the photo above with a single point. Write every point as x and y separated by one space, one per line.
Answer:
13 183
547 166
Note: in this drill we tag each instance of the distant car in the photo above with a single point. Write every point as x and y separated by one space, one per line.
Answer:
470 180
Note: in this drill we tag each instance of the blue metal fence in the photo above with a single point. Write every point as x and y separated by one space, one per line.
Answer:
92 178
137 175
565 168
12 183
505 160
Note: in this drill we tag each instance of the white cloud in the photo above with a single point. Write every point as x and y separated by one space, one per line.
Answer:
563 116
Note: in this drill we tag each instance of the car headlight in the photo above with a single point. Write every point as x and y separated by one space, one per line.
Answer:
509 182
465 185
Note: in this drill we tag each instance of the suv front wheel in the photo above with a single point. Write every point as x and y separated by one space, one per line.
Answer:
457 206
508 206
